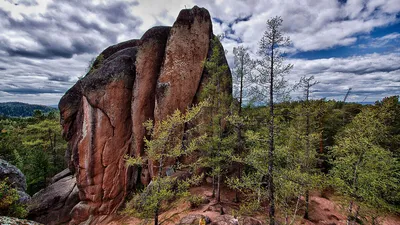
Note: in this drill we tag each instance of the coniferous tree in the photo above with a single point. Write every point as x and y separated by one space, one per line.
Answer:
243 66
306 83
216 92
164 143
271 84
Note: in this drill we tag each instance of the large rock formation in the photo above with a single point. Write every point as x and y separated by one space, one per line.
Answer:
129 83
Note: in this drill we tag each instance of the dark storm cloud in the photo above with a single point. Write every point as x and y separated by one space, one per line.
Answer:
118 12
23 2
58 78
48 53
366 70
65 29
45 48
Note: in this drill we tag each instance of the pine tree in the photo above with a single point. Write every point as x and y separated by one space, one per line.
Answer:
243 66
271 83
306 83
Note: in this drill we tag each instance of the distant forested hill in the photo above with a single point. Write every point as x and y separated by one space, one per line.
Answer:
19 109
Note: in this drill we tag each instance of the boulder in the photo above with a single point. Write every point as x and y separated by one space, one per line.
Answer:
231 220
102 115
60 175
225 220
16 179
192 219
53 204
249 221
4 220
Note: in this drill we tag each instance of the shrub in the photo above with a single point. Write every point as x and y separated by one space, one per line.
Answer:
9 204
195 201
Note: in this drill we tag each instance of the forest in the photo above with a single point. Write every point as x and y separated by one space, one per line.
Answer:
33 144
19 109
271 150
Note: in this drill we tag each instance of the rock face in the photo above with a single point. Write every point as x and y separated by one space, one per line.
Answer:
16 178
131 82
53 204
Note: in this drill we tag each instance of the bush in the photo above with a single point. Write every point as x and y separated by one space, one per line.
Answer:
9 205
195 201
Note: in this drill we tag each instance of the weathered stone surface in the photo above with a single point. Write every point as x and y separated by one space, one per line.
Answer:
231 220
250 221
53 204
103 113
225 220
186 50
60 175
192 219
148 64
106 134
15 178
4 220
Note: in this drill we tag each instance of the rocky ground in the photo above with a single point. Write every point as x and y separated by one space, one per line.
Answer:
14 221
323 210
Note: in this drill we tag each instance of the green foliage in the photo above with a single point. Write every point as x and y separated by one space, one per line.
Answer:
219 144
389 114
168 139
35 146
195 200
9 205
158 195
364 169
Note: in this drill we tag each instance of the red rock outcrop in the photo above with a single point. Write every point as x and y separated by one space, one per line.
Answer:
103 113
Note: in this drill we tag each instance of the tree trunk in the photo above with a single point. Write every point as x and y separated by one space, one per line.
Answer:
219 138
306 215
271 186
156 217
219 188
349 213
286 219
239 178
213 184
356 215
240 138
159 188
295 210
307 146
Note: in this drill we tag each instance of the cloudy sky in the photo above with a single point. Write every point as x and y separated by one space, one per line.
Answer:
46 45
